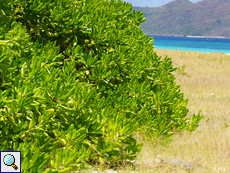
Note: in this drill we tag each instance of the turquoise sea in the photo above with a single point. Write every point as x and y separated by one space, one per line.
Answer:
220 45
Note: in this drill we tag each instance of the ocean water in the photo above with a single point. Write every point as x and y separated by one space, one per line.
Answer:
220 45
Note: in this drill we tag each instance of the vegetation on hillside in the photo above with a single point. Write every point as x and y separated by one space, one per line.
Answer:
78 80
182 17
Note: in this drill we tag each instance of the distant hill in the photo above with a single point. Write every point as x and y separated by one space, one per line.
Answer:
182 17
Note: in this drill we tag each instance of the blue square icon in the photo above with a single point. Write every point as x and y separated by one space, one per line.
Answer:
10 161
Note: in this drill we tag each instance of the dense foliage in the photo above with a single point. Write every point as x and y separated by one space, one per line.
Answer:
77 80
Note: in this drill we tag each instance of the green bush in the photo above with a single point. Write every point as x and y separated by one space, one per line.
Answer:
78 78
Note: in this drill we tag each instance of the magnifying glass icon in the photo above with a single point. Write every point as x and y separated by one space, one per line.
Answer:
9 160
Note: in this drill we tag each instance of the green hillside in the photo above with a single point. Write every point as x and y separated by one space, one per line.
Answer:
182 17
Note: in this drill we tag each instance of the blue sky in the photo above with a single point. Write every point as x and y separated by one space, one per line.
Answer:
152 3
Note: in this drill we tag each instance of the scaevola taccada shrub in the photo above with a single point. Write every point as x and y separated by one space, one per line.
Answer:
77 79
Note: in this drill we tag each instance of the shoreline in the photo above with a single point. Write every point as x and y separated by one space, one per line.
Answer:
188 36
206 37
193 51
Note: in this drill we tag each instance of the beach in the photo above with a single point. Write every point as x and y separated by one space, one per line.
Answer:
189 36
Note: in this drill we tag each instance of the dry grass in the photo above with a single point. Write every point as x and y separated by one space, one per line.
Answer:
208 89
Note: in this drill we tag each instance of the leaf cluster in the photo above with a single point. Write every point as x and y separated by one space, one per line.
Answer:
78 80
